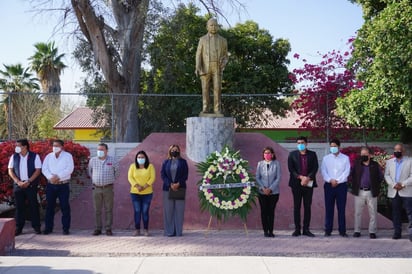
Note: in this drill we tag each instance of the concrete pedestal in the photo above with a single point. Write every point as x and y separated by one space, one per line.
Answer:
205 135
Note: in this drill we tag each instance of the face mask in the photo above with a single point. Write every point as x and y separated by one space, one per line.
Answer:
17 149
100 153
397 154
301 147
141 161
268 157
56 149
334 150
175 154
364 158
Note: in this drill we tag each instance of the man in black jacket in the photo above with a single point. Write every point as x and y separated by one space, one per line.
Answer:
366 181
303 165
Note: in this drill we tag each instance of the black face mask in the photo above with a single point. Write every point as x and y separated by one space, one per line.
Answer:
397 154
364 158
175 154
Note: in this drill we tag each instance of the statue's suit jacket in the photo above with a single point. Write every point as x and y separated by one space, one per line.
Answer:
203 52
405 178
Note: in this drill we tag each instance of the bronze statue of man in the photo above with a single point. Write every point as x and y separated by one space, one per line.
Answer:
211 59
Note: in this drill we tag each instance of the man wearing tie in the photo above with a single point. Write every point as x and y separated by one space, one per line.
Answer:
211 59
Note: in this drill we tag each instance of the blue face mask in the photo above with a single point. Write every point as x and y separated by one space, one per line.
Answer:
301 147
141 161
334 150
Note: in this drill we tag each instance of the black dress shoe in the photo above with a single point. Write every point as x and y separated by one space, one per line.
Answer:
266 234
356 234
396 236
308 233
66 232
344 235
271 235
372 235
97 232
46 232
328 234
109 232
17 232
296 233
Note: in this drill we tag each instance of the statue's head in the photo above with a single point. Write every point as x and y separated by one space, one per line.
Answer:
212 26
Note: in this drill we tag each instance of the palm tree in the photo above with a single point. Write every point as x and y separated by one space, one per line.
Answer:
48 65
20 102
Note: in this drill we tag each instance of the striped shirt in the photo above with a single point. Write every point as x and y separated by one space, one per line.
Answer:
103 172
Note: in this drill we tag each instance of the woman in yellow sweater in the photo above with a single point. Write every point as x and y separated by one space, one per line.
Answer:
141 177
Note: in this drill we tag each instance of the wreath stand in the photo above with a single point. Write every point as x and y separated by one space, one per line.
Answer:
218 225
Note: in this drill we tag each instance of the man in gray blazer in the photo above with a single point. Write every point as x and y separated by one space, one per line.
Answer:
398 176
211 59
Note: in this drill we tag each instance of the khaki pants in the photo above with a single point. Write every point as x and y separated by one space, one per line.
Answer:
365 198
103 197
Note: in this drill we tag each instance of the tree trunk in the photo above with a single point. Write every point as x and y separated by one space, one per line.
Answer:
121 69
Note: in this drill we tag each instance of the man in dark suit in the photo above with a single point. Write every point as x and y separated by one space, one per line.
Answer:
303 165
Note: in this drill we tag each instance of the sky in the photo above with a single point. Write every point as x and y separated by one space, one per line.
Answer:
311 26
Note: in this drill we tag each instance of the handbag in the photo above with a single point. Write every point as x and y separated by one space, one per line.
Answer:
179 194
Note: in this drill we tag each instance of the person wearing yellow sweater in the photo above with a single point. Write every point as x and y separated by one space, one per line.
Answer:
141 177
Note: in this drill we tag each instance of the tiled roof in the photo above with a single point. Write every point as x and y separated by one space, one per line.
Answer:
290 121
80 118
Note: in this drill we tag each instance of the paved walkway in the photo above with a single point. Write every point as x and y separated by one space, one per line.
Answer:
224 251
216 243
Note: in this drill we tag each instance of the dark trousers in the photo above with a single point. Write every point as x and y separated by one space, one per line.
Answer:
338 195
20 197
300 194
267 211
141 206
397 203
62 192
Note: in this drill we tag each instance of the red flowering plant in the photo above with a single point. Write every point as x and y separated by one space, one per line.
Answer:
379 155
80 158
319 85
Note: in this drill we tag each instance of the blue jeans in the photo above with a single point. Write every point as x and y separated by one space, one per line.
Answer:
52 193
141 206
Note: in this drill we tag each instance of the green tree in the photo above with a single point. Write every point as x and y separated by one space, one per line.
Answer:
48 65
257 66
382 60
21 103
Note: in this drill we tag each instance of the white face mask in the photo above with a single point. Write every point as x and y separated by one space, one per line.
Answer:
100 153
17 149
56 149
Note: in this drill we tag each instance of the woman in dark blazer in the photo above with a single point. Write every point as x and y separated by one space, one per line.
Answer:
174 174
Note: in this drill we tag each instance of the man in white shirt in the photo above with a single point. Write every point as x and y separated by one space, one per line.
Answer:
335 171
57 168
24 169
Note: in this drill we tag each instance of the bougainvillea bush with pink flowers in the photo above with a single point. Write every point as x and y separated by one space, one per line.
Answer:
80 157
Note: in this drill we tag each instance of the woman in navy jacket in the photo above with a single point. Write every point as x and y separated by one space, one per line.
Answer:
174 174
